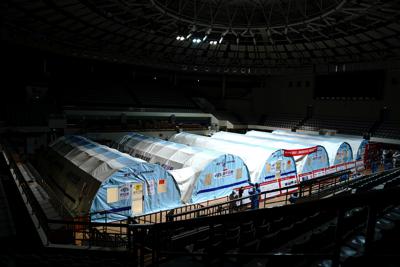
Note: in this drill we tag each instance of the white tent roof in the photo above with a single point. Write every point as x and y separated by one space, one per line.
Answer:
331 146
260 141
170 155
98 161
255 157
353 141
185 163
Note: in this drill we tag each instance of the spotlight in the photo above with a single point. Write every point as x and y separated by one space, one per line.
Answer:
180 38
213 42
222 36
196 40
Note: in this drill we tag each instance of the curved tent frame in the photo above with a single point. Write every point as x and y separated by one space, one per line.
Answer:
201 174
267 166
95 179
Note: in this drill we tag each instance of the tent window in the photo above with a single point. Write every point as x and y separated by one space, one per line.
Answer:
239 173
112 194
207 180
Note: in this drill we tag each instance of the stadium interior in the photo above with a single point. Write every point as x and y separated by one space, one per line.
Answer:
200 132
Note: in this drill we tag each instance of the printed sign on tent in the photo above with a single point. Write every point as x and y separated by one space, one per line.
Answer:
305 176
330 170
341 167
124 192
278 166
150 188
112 194
239 173
162 186
299 152
318 173
207 179
360 165
137 198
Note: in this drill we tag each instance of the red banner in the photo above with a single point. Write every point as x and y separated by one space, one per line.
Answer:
299 152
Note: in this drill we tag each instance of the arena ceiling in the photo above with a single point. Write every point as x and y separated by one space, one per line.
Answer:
210 35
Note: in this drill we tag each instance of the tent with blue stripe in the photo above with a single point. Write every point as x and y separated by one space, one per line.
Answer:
201 174
266 165
107 184
316 160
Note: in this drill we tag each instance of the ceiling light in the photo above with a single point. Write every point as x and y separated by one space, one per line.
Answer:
196 40
180 38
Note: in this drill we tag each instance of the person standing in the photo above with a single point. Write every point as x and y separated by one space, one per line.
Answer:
255 196
293 198
232 203
240 195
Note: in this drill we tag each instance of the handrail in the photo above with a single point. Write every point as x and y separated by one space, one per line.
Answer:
264 194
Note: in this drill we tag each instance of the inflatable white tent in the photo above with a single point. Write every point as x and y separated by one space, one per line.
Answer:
308 157
338 151
267 166
201 174
357 144
108 184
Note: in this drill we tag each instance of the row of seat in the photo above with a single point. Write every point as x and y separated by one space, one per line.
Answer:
374 181
350 126
253 236
388 129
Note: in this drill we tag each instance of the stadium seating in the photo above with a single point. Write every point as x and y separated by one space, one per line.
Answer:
388 129
288 121
353 126
164 99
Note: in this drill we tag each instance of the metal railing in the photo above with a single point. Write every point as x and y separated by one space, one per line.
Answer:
375 203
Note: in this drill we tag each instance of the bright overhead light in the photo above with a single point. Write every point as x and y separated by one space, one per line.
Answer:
180 38
213 42
196 40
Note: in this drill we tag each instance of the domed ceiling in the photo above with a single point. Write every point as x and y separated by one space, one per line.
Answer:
210 35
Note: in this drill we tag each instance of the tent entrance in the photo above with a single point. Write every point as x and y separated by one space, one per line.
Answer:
137 198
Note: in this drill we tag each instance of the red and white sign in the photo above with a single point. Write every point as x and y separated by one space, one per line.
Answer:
330 170
305 176
299 152
318 173
341 167
360 165
350 165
